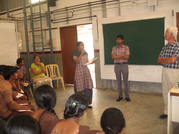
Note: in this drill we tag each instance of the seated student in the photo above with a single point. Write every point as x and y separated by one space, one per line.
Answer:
14 94
38 77
21 124
1 69
45 98
74 109
16 91
17 85
112 122
10 108
22 70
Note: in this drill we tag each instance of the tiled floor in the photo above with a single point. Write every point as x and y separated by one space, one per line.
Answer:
141 114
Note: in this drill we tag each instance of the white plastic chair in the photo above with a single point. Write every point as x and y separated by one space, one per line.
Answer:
52 71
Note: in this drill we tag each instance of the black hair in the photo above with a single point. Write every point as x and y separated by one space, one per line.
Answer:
77 44
45 98
112 121
19 60
8 71
2 68
75 105
120 36
21 124
35 56
17 68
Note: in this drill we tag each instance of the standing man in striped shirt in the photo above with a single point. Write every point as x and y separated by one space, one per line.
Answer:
169 58
120 54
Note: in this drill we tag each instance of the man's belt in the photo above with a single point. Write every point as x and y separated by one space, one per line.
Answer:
121 63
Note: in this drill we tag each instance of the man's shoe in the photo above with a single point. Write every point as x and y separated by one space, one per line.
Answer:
90 107
128 99
163 116
119 98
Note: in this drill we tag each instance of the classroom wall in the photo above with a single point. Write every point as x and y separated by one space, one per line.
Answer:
112 10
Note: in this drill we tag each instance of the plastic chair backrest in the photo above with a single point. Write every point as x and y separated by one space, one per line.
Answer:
30 71
52 70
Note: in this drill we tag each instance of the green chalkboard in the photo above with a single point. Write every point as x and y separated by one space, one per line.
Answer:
144 38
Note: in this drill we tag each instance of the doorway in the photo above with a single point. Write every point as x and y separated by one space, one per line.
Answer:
85 34
69 36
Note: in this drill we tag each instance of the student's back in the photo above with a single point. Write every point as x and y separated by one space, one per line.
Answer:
67 127
74 109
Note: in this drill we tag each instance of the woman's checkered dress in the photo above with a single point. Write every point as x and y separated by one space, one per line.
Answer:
82 75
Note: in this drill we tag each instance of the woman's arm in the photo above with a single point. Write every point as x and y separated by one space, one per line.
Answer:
77 60
43 68
34 71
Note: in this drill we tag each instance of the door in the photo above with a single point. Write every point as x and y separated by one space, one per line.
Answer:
68 43
177 19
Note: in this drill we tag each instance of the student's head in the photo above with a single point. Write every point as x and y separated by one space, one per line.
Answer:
18 72
10 72
1 68
20 61
171 32
112 121
75 105
21 124
36 58
79 45
45 98
119 39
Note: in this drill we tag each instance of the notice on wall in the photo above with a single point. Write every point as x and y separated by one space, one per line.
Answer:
152 2
8 44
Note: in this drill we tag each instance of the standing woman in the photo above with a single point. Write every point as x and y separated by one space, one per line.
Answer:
82 81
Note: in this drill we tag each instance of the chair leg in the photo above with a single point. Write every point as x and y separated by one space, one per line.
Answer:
63 84
31 92
57 84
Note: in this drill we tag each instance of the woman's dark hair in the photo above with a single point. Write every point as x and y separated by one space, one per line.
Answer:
75 105
120 36
19 60
112 121
21 124
77 44
36 56
2 68
8 71
45 98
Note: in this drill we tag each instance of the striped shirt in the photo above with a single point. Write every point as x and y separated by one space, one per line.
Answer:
22 70
5 97
124 50
169 51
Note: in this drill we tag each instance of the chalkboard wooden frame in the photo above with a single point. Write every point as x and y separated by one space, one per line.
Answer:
143 73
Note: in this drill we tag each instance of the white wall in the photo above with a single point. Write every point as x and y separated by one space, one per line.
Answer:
126 8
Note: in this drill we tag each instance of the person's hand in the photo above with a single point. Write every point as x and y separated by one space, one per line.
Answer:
22 83
82 51
26 108
19 90
94 61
